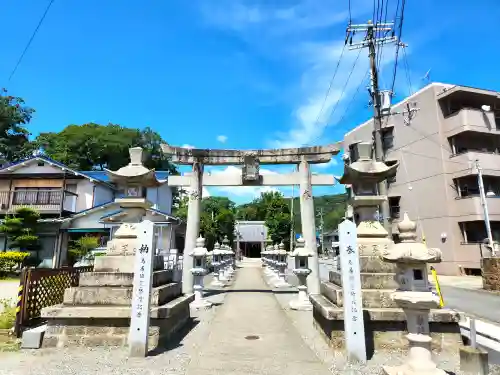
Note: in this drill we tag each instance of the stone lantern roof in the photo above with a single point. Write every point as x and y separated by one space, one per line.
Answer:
365 169
281 249
409 250
200 250
135 172
301 250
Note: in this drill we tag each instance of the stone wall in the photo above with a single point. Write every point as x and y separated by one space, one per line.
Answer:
386 330
491 273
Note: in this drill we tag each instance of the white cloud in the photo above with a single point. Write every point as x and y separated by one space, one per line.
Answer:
292 33
331 163
187 146
222 138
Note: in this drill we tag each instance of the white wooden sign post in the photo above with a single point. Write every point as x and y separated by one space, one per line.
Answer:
141 294
351 284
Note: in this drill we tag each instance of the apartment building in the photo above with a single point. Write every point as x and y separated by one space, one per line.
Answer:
437 135
74 203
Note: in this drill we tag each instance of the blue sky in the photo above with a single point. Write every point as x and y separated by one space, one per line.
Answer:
229 73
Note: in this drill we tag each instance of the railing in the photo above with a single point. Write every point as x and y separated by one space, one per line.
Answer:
40 199
43 287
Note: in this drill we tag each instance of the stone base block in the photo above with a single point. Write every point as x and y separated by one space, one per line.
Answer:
121 278
385 328
369 280
473 361
122 263
372 298
33 338
121 296
301 305
407 370
77 326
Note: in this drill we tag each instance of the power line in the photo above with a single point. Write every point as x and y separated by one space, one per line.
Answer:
329 87
350 15
30 40
407 70
354 96
400 32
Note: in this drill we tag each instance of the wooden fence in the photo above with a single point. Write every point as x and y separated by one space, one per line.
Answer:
42 287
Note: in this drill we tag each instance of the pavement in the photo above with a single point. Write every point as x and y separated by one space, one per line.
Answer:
251 334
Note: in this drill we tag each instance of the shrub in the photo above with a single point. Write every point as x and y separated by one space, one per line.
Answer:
8 315
10 259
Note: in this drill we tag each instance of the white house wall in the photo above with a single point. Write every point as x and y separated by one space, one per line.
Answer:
35 168
85 191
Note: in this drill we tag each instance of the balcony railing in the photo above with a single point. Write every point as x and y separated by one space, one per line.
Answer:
56 200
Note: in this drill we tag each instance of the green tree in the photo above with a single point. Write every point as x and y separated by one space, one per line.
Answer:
216 220
14 116
95 147
20 229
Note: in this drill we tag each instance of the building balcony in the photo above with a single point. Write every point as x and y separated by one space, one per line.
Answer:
470 208
44 201
463 164
470 119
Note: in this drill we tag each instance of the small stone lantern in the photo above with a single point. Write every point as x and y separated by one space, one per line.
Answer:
281 263
301 270
267 260
217 262
414 297
199 270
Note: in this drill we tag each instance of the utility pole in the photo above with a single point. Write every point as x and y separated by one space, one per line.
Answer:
371 41
485 206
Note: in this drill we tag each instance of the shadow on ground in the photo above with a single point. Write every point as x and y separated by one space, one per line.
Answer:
175 341
213 292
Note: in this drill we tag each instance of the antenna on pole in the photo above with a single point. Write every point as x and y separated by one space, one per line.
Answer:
427 76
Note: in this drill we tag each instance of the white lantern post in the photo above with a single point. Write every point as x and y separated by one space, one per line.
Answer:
301 270
282 264
414 297
216 262
199 270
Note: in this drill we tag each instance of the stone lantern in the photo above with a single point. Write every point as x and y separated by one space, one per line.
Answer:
281 263
267 260
414 297
216 262
199 270
301 270
132 179
362 176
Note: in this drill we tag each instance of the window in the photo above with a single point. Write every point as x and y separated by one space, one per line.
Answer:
387 138
394 207
37 196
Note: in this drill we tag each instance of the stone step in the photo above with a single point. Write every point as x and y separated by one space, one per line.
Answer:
117 296
368 280
122 263
91 326
121 278
373 264
61 311
371 297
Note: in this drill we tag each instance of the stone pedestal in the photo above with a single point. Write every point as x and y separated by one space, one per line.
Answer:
97 312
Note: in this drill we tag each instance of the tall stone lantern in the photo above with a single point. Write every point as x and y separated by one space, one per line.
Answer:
281 263
363 175
414 297
132 179
199 270
301 270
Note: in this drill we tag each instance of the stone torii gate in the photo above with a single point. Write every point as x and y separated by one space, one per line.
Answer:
251 160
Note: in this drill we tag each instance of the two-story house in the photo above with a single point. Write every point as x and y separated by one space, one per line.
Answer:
440 135
74 203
